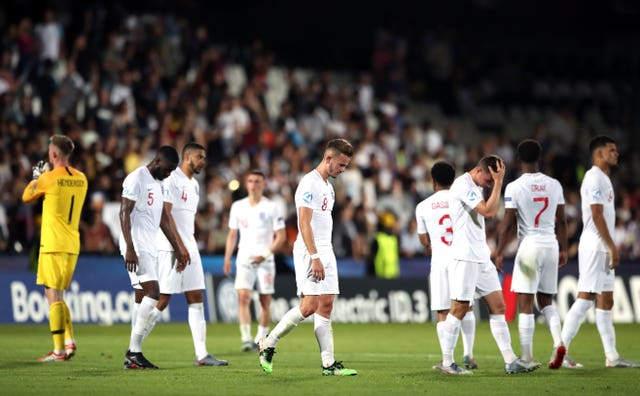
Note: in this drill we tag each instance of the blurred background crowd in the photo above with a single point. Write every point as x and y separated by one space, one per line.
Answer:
122 79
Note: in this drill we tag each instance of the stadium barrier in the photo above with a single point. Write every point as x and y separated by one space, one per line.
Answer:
100 293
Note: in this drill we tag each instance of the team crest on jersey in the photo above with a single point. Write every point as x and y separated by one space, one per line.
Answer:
263 216
507 199
472 196
307 197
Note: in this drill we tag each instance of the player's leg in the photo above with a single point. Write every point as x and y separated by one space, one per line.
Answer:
246 276
244 318
309 292
168 282
198 327
588 285
264 320
468 332
148 277
57 320
527 269
69 338
604 323
323 329
461 279
156 313
54 273
550 313
526 325
266 273
489 288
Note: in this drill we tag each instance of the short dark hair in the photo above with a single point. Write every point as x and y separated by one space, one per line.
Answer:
443 173
599 142
489 161
256 172
340 145
63 143
529 151
169 154
191 146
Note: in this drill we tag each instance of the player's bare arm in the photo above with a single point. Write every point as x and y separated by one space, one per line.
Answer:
304 219
561 235
426 242
168 226
130 256
230 247
506 232
597 212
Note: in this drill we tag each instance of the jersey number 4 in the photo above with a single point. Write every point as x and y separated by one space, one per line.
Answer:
545 205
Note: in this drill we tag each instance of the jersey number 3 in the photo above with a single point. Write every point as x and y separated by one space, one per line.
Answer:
447 238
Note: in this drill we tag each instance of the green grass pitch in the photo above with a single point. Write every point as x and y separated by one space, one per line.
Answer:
392 359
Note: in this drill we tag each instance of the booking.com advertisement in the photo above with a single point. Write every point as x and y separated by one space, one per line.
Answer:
100 293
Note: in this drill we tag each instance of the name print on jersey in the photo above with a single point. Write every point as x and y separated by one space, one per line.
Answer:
538 188
440 205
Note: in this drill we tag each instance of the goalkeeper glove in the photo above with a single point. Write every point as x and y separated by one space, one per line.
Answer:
40 168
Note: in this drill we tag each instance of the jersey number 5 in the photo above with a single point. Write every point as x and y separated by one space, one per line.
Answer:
545 202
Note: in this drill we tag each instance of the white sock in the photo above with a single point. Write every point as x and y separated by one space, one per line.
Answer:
263 331
500 332
288 322
245 332
553 322
142 321
468 328
153 319
604 322
134 316
574 319
526 328
198 329
449 335
324 335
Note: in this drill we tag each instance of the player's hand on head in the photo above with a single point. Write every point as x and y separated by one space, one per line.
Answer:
498 173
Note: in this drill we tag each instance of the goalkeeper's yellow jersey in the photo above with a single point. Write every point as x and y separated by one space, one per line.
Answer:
64 190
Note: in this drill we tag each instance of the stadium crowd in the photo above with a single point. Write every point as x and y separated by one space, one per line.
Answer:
122 85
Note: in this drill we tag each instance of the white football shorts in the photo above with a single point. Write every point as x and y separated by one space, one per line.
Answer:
147 269
595 274
535 267
262 275
309 286
488 280
463 278
174 282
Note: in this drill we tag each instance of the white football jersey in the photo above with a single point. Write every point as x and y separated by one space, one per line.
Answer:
184 194
596 189
255 224
535 196
141 187
316 193
469 237
433 217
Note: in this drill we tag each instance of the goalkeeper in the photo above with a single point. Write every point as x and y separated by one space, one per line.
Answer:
64 189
